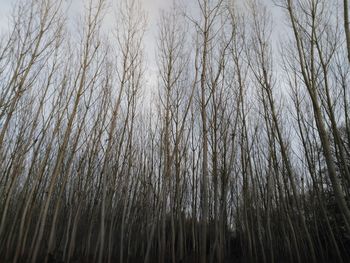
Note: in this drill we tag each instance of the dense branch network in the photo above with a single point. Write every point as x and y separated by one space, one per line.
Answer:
241 153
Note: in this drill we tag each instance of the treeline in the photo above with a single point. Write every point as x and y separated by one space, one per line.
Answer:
240 153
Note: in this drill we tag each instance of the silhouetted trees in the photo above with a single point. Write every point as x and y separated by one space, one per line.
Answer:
240 151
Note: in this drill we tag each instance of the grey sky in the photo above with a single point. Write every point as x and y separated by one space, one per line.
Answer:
4 12
152 8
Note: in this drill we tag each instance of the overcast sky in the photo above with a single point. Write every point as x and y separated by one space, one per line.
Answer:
152 8
4 11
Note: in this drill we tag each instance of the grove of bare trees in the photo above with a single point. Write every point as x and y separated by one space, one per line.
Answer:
239 151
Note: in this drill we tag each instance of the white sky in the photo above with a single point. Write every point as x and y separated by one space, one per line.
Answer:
152 8
4 13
